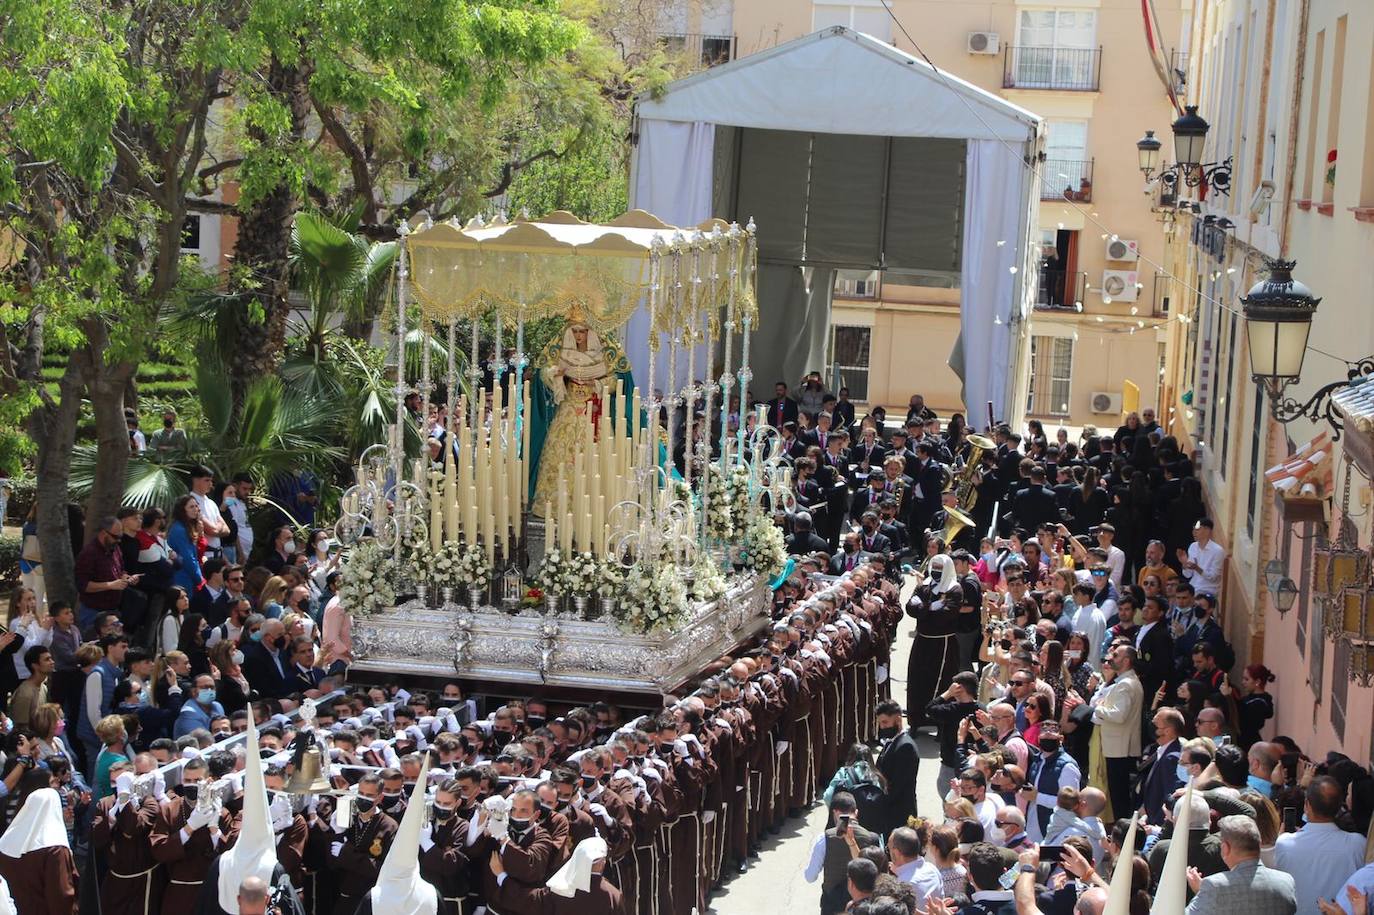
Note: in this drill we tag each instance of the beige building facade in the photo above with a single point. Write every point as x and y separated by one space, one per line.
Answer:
1288 88
1082 65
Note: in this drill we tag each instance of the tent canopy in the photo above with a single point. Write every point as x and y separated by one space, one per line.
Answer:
840 81
850 154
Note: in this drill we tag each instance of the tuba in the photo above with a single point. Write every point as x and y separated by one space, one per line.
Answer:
966 488
955 521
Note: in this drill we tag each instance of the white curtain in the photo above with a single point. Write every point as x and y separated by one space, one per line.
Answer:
672 179
994 216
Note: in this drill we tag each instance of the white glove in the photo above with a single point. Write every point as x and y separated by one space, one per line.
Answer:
600 811
427 837
938 605
680 748
708 816
335 848
124 785
781 747
199 818
281 813
880 676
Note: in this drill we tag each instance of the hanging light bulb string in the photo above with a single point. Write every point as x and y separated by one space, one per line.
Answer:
1091 217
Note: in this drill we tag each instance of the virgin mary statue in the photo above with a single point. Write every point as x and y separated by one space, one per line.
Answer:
577 379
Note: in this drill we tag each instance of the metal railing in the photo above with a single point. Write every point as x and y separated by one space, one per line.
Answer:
705 50
1178 69
1066 179
1160 300
1060 288
1071 69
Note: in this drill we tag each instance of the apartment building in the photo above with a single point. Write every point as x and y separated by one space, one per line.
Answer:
1084 66
1288 88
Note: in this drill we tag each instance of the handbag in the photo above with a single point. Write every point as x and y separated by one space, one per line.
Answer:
31 551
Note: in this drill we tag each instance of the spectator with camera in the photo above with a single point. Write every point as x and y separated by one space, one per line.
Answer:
834 849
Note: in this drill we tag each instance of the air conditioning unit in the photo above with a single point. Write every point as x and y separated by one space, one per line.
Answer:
1123 249
984 43
1120 285
1106 402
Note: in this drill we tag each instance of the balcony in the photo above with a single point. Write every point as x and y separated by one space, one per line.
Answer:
1063 69
1066 179
1060 290
1163 292
700 51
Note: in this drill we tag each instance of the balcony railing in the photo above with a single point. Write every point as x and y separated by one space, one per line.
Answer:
1070 69
1066 179
1060 289
1178 70
702 50
1163 293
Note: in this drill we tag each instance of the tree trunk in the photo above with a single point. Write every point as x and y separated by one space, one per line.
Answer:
53 427
262 251
106 391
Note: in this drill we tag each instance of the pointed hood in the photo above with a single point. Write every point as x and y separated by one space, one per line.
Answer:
400 890
37 825
1172 896
576 876
255 852
1119 893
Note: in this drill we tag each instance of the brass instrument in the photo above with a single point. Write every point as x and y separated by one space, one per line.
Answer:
955 521
966 489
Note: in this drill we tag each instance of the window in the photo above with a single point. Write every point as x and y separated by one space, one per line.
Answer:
1256 478
869 17
1051 361
1340 680
1327 166
851 359
1161 412
1313 109
1224 404
716 49
1067 169
1304 580
1316 655
1055 49
856 284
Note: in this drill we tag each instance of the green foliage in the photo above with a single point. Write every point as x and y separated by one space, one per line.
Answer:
10 550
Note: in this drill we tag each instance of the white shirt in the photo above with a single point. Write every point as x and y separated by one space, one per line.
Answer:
1362 880
1089 620
924 877
1320 858
1140 633
210 518
1116 565
986 811
1206 579
239 512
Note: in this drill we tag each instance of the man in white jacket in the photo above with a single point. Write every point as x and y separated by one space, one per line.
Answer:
1116 713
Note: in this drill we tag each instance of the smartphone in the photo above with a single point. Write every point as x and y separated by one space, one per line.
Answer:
1290 819
1073 654
1290 766
844 825
1051 853
1221 740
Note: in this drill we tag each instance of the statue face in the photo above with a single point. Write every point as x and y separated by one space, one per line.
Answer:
580 336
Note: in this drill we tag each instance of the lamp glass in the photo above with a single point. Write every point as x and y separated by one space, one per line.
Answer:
1285 594
1273 574
1147 148
1277 348
1190 134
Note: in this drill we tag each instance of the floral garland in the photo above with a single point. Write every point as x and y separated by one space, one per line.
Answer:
653 599
707 583
367 584
765 550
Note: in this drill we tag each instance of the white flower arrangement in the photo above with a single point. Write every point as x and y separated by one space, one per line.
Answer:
727 503
708 582
583 572
461 564
368 582
765 550
610 577
417 561
554 577
653 599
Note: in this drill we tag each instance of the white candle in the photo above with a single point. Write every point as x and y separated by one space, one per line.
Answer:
565 541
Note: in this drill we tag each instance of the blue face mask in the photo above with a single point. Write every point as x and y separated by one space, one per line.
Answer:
1183 773
257 636
206 697
1262 785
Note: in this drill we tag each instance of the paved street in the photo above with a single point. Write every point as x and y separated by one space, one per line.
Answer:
774 881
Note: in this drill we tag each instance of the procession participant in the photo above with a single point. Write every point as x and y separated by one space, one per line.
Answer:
935 655
289 827
442 858
254 852
36 859
357 849
522 853
400 888
188 836
579 888
122 828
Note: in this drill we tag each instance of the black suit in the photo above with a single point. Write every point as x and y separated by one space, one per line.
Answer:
930 481
262 673
1160 780
1035 505
875 543
214 609
899 762
782 411
843 414
1155 659
895 531
843 562
801 544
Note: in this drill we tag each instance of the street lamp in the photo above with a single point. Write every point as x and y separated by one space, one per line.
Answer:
1285 594
1190 137
1274 572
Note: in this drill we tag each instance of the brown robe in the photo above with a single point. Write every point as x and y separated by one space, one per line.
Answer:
600 899
42 882
360 860
132 884
185 865
526 864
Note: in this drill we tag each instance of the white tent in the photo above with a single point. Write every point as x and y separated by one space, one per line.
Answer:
850 154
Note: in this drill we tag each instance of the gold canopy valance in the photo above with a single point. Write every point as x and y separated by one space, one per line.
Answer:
536 268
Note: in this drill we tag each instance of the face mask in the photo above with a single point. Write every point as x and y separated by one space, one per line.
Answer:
1183 774
589 782
390 799
189 791
238 657
289 546
221 735
518 825
501 738
206 697
441 814
256 636
887 733
534 721
1199 611
849 547
665 750
1049 747
364 804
